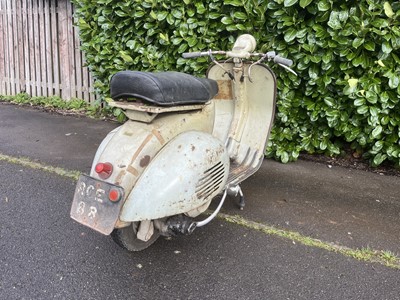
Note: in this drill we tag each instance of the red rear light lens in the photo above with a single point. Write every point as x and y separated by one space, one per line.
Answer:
104 170
114 195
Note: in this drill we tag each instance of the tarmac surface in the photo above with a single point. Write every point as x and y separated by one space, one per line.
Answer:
44 254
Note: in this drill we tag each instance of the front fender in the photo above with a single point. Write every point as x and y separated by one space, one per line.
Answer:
188 172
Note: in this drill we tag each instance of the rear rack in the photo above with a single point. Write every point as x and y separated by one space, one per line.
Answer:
139 111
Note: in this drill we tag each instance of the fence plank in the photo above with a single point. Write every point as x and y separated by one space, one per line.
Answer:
78 68
6 58
63 48
37 48
20 46
92 94
71 50
54 47
13 67
42 50
2 41
5 47
78 58
9 52
31 45
14 45
85 78
48 50
26 44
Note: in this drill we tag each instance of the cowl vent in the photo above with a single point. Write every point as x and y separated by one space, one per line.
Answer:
211 181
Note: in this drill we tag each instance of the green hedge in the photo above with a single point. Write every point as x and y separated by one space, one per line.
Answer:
346 55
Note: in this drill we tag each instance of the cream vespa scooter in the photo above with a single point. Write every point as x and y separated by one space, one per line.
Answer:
187 140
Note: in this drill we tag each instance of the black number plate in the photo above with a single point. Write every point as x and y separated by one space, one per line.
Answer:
91 206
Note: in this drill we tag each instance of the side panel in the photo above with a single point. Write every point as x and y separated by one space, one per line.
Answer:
249 108
247 142
187 173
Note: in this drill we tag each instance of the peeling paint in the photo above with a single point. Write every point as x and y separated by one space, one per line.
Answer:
144 162
224 90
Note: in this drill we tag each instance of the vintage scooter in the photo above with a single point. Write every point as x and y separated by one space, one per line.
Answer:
187 141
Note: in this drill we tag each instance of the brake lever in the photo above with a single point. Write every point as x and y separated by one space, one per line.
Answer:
219 65
287 68
264 57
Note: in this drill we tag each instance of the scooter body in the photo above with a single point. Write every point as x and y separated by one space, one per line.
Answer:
164 165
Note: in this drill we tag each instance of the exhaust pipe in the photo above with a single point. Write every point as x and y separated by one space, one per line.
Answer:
182 224
175 225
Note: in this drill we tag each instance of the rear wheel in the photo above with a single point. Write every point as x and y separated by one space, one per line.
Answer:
126 238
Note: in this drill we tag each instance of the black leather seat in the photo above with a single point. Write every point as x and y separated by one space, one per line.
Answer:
164 88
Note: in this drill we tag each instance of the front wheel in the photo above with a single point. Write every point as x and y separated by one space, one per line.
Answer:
126 238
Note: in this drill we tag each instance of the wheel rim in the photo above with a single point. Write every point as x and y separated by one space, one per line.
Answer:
126 238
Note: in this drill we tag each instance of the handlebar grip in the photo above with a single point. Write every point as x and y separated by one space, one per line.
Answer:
283 61
192 54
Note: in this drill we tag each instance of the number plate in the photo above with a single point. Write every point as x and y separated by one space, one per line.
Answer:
91 206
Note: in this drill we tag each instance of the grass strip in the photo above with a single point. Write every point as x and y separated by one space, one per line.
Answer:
26 162
385 258
73 106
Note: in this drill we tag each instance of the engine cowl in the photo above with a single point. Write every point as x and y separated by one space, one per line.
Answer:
188 172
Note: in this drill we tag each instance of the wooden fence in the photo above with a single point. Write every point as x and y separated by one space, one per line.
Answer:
39 50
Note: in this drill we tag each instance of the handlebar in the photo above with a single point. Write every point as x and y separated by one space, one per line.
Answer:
194 54
264 56
283 61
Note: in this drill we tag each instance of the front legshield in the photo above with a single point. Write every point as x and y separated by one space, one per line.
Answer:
187 173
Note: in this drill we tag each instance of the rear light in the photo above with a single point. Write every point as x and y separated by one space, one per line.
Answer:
104 170
114 195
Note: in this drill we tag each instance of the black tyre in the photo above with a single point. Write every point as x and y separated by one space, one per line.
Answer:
126 238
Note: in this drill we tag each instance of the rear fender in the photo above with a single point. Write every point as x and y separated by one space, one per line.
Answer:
187 173
131 147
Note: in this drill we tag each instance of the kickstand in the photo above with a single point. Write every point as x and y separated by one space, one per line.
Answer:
241 199
236 190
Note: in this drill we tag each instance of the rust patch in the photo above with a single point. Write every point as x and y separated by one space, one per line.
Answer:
224 90
119 177
146 140
133 171
144 162
157 134
128 133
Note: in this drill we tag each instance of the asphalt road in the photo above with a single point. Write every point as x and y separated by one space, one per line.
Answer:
46 255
